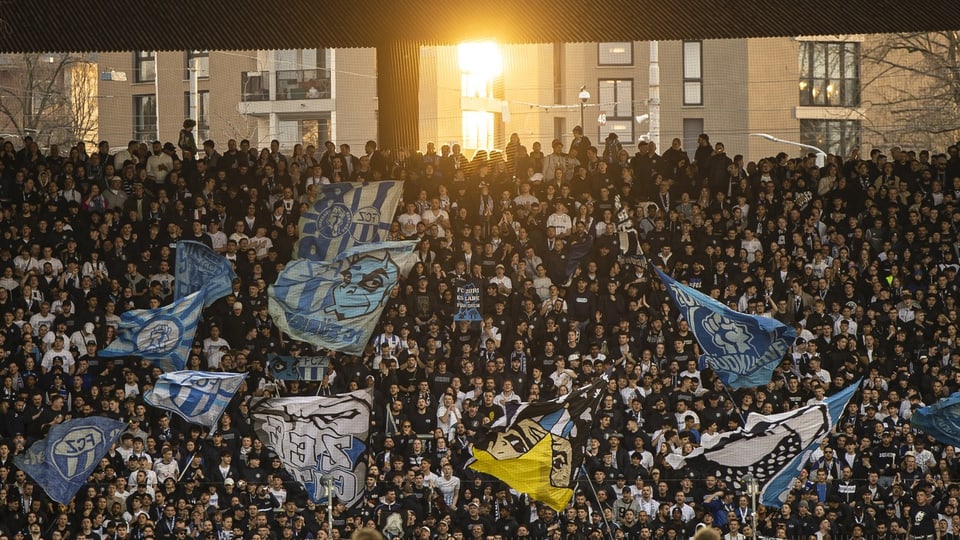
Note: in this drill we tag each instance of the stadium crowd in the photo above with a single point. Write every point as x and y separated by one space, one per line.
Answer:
860 254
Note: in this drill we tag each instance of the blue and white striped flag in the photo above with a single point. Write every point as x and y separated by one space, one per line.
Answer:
336 304
201 268
63 460
163 335
199 397
347 214
742 349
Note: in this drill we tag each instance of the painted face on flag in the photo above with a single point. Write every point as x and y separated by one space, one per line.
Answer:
532 440
366 282
539 452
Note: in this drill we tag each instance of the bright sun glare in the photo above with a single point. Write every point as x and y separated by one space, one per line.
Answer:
481 58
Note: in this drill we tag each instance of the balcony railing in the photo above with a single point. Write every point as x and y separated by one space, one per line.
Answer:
255 86
303 84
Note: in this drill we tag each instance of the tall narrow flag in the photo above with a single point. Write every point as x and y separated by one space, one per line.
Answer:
940 420
539 446
63 460
766 447
347 214
742 349
336 304
163 335
200 268
775 492
199 397
319 437
578 248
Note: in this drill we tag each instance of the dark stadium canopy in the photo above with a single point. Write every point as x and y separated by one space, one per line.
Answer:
120 25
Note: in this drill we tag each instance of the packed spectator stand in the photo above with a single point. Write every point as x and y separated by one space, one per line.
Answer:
860 255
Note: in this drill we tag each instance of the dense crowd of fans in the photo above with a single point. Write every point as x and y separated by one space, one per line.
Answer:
860 255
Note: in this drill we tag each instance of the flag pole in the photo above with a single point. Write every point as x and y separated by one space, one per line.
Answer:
739 413
329 482
187 466
597 497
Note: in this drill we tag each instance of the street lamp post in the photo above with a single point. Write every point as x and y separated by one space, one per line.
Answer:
584 97
753 489
821 154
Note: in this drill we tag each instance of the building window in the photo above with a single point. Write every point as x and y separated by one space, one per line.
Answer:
145 117
832 136
306 132
619 53
203 64
145 65
203 113
693 73
692 128
829 74
302 74
615 100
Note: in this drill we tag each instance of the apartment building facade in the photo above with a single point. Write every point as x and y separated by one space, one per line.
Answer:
809 90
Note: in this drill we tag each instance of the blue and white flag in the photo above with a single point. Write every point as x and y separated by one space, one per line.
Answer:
199 397
762 448
347 214
742 349
298 368
63 460
940 420
163 335
336 304
200 268
775 493
318 437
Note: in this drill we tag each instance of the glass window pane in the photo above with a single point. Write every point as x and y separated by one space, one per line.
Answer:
624 107
833 61
615 54
692 94
623 129
805 60
691 60
692 128
607 95
819 60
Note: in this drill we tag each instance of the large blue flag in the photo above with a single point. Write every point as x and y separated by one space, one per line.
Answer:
163 335
742 349
200 268
940 420
199 397
62 462
318 438
347 214
775 493
336 304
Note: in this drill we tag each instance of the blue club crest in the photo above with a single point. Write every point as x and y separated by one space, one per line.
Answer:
78 450
159 336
